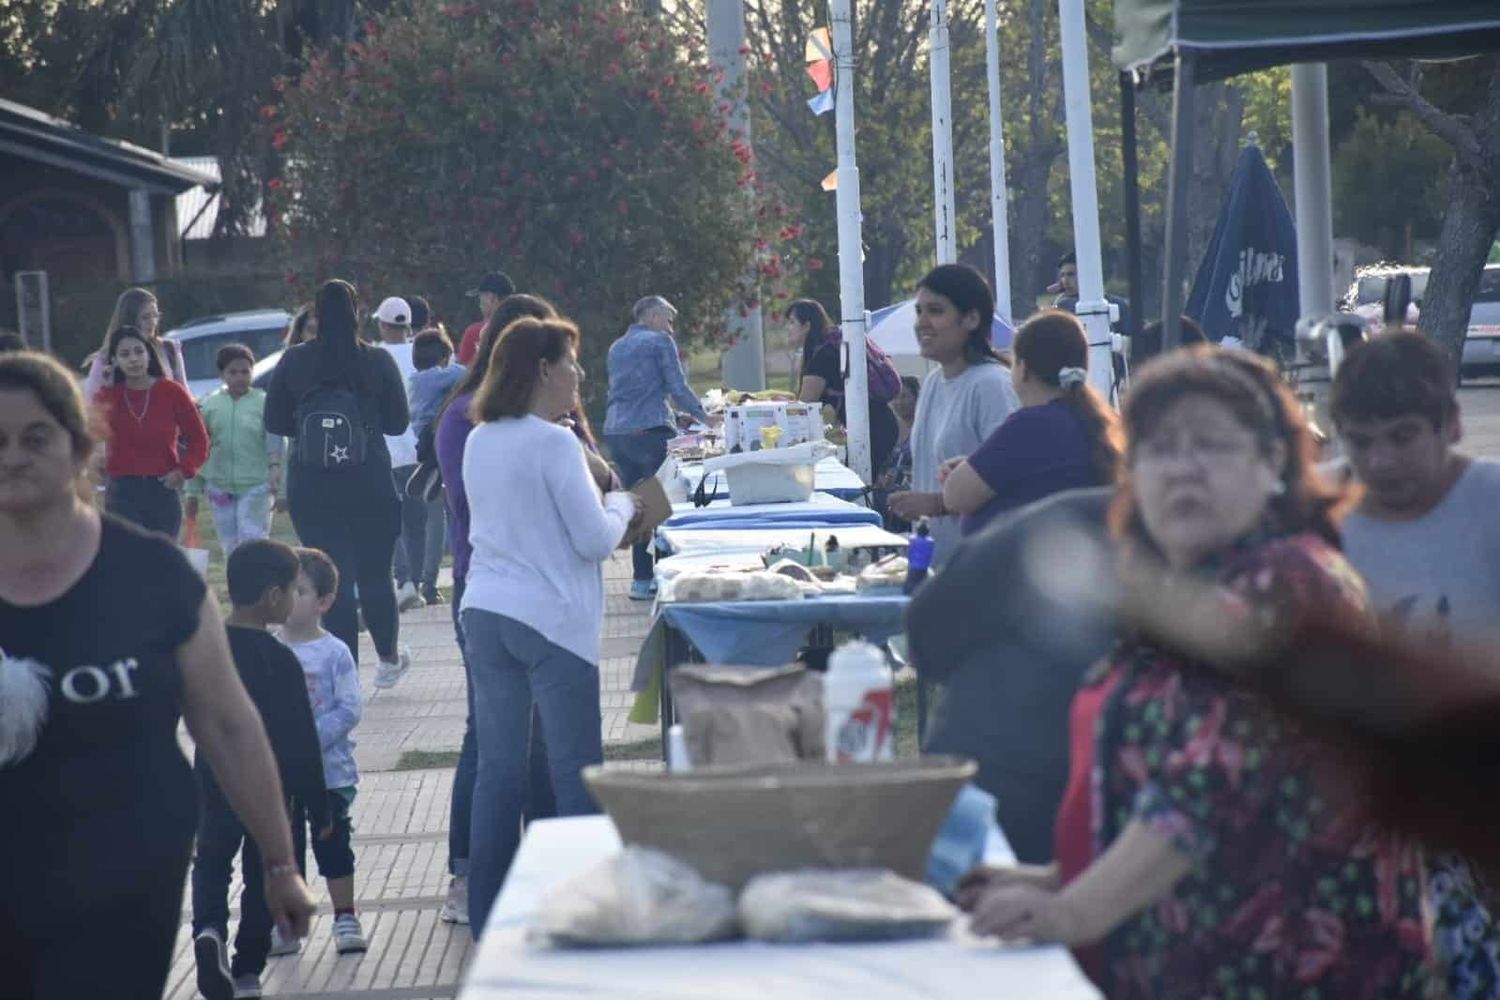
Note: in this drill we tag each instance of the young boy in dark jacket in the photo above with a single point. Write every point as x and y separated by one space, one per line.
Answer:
261 574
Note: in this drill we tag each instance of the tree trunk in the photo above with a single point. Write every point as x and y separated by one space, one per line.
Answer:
1470 225
1030 213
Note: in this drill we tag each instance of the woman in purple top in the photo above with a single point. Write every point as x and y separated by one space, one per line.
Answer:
453 427
1064 436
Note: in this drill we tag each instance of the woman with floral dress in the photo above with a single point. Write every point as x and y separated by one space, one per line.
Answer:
1225 862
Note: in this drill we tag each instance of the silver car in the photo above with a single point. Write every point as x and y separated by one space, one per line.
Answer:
1482 345
261 330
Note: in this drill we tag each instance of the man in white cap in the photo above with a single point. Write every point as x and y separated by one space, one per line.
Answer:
394 319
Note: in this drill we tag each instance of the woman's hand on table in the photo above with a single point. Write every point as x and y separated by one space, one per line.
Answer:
1030 912
981 878
910 506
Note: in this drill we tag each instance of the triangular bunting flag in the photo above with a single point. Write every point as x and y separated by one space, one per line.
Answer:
821 73
822 103
819 46
831 182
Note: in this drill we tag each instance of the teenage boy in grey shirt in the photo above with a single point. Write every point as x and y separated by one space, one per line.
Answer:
1426 540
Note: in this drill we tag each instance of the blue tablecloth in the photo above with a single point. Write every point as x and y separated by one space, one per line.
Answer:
822 510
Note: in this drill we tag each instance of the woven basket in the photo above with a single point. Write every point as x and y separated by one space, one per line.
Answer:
732 824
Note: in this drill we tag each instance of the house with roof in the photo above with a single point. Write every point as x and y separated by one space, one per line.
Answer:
84 208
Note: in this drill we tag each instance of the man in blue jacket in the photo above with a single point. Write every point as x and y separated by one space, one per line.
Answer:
645 373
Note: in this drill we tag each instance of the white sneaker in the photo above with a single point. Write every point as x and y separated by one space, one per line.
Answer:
247 987
283 946
388 673
456 906
348 935
407 598
214 979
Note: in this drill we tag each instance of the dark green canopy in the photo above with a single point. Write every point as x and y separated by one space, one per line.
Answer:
1228 37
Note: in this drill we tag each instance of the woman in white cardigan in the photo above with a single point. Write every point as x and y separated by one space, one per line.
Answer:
533 607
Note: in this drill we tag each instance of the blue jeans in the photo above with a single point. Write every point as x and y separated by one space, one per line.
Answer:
638 456
512 667
539 801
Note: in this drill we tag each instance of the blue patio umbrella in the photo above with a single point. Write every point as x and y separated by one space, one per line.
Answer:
1247 285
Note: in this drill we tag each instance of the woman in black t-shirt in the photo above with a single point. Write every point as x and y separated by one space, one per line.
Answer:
108 637
821 377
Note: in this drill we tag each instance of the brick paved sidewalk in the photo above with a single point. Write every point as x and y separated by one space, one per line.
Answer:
401 820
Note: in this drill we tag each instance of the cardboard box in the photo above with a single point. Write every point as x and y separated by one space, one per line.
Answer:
799 423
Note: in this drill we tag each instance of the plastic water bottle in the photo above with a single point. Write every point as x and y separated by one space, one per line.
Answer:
677 755
918 556
860 702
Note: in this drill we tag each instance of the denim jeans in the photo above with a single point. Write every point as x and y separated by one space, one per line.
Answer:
540 803
240 517
220 837
638 456
512 667
411 549
437 540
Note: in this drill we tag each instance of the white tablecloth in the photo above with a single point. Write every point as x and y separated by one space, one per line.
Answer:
552 851
698 541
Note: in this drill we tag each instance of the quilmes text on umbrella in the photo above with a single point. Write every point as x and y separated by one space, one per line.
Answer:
1255 269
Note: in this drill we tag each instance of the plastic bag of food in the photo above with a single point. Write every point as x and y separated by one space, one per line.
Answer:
636 897
864 904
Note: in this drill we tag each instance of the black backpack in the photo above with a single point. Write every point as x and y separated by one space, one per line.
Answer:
331 434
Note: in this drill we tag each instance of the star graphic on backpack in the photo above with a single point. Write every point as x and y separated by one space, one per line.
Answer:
340 453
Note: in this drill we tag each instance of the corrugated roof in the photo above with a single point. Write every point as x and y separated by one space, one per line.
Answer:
33 135
192 201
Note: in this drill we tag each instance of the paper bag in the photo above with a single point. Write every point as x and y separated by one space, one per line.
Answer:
655 509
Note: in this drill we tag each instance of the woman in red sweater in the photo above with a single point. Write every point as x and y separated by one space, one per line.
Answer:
156 437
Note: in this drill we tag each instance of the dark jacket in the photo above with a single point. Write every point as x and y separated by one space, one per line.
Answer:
274 680
1009 656
378 386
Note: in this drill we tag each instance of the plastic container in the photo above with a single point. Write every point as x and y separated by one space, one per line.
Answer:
780 475
860 701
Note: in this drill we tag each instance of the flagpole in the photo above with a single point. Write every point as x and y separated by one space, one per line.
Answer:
1092 307
851 262
999 204
939 71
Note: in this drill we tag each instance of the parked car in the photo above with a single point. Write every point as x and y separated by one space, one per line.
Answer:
261 330
1367 297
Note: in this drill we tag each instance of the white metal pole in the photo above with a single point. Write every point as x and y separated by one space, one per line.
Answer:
942 134
1092 307
999 203
1311 185
851 262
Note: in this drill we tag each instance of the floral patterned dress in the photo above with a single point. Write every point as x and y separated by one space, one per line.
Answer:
1290 894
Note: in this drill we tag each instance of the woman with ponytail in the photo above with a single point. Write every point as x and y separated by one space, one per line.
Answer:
1065 435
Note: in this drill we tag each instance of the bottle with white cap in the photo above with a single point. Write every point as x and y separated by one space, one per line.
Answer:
859 698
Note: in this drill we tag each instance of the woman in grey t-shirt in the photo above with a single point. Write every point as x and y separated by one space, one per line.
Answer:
962 401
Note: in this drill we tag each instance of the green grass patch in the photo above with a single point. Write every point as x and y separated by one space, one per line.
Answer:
424 760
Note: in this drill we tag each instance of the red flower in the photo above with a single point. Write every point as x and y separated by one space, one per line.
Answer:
278 138
439 76
274 184
814 264
268 111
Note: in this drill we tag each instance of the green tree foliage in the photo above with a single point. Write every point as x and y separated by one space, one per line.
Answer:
565 141
1387 183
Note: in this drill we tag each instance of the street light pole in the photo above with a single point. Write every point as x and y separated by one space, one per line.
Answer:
939 71
851 256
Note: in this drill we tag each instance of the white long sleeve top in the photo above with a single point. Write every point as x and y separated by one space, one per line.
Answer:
540 531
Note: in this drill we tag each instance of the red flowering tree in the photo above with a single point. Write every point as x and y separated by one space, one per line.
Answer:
564 141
